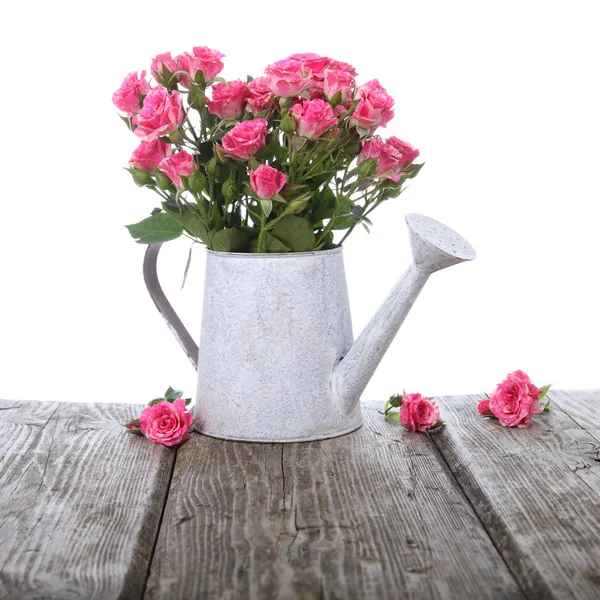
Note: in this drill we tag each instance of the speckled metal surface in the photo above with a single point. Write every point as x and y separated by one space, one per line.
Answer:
276 361
273 328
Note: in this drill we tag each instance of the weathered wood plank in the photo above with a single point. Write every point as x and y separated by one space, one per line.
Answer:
536 490
583 407
374 514
79 502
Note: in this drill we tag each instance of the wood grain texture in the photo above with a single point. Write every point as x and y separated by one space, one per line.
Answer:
373 514
79 501
536 490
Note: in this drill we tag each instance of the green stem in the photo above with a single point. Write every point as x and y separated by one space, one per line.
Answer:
263 231
191 129
365 213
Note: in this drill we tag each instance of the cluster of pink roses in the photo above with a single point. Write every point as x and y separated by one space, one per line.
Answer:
514 401
305 111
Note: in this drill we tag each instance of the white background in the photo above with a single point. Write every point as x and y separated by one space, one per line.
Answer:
501 98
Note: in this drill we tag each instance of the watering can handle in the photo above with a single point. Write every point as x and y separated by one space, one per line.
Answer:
164 306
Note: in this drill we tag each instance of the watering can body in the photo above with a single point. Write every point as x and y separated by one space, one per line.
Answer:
277 360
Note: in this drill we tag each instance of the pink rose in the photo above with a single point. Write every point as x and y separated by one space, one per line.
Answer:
313 118
228 99
339 81
316 63
484 408
161 114
287 77
245 139
389 156
127 97
177 165
266 181
201 59
409 154
260 96
166 423
336 65
514 400
163 59
149 154
374 108
418 413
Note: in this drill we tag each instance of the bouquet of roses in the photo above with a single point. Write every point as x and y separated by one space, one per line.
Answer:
272 164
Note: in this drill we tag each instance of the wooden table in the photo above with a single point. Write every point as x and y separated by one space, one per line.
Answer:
472 511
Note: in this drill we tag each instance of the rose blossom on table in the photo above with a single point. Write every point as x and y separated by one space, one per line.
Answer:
514 401
266 181
161 114
245 139
176 166
313 118
165 421
416 412
127 97
228 99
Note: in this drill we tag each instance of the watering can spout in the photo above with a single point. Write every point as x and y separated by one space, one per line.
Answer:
434 247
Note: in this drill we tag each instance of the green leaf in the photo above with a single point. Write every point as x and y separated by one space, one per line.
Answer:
298 142
172 394
156 229
296 233
413 170
141 177
229 240
253 232
323 204
367 168
546 407
128 122
327 243
188 401
267 207
187 266
272 244
393 417
190 218
344 222
395 400
544 391
196 97
156 401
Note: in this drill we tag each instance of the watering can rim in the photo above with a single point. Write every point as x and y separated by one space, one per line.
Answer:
254 255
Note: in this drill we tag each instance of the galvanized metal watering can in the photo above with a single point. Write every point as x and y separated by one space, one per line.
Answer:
277 360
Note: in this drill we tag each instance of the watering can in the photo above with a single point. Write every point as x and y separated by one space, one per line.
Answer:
277 360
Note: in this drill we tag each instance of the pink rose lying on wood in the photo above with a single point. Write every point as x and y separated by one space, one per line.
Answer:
165 421
514 401
416 412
